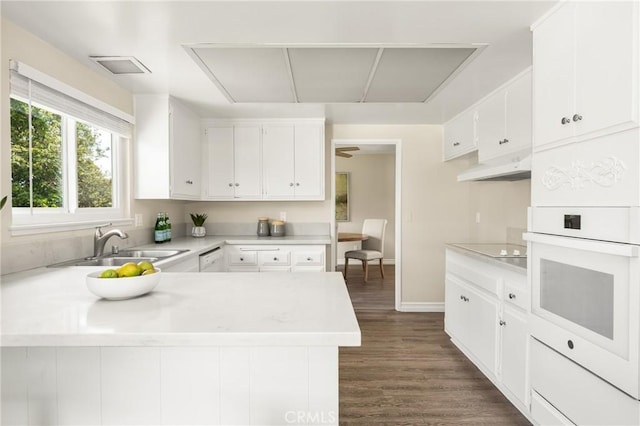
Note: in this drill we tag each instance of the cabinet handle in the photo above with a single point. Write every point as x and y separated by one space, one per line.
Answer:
512 296
464 298
297 183
275 258
577 117
189 182
456 143
309 259
502 323
242 259
231 184
566 120
291 184
237 184
503 141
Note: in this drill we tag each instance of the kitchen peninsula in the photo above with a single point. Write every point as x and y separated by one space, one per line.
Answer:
207 348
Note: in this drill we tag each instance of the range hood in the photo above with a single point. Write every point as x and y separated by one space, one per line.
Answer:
504 171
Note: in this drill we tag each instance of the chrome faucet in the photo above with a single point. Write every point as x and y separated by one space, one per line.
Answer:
100 239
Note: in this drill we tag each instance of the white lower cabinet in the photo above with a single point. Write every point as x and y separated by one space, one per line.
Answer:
486 317
275 258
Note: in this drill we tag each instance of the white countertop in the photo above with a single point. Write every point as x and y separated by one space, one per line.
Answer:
515 264
53 307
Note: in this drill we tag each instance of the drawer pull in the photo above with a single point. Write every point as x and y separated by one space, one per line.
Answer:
242 259
502 323
512 296
309 259
456 143
275 258
570 344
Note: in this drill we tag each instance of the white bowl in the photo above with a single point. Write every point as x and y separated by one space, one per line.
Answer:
122 288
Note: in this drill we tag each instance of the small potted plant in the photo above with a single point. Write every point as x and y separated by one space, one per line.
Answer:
198 229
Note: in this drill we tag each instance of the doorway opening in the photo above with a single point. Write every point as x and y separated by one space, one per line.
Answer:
374 192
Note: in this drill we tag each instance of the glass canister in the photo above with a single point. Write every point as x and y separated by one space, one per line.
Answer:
277 228
263 227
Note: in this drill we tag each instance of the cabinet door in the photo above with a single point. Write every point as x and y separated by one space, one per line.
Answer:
278 162
514 352
246 160
518 116
455 312
553 76
606 84
482 327
491 127
460 136
184 153
309 162
220 162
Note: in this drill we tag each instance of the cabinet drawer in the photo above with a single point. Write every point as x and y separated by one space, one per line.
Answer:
545 414
516 295
309 258
274 258
237 258
579 394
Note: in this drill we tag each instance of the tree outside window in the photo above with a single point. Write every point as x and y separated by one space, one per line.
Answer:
71 162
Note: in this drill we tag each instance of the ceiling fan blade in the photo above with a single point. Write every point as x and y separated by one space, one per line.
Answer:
343 154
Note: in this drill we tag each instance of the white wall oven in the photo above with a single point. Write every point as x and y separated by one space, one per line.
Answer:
586 303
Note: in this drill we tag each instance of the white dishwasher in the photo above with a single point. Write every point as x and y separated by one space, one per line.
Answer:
212 260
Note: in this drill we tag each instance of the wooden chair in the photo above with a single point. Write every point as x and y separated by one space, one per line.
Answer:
372 247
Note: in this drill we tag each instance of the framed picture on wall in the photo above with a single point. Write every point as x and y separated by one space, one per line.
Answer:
342 196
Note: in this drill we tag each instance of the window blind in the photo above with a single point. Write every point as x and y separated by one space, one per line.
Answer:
28 89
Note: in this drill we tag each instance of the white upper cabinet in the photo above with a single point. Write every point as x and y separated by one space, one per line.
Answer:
460 135
585 72
166 149
258 160
504 121
293 161
233 162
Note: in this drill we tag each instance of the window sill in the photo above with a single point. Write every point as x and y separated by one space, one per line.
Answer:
46 228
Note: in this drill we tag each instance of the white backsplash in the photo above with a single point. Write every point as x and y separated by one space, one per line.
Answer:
17 256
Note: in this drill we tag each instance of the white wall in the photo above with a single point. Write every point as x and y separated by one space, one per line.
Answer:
371 195
436 209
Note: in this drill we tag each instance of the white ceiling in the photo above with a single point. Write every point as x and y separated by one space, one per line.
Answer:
330 74
157 33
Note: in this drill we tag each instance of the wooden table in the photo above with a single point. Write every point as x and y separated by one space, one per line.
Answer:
350 236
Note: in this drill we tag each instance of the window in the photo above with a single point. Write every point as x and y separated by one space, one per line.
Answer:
68 162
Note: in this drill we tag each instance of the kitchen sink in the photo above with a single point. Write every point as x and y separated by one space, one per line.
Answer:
122 257
157 253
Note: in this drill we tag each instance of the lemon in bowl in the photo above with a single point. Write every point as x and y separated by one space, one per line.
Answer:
121 284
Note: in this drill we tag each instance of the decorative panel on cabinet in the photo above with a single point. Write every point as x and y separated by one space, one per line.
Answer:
586 81
166 149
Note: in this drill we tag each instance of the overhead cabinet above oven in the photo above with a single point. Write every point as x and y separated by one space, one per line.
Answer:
585 72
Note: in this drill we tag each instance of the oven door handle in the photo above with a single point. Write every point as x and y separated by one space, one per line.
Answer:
616 249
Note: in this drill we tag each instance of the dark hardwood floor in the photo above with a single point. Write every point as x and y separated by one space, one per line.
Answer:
407 372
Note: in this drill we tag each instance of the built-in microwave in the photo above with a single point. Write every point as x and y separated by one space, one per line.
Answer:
586 304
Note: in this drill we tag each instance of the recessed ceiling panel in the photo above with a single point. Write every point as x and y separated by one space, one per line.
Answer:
331 74
413 74
249 74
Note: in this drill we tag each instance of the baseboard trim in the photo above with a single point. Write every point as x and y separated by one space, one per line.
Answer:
357 262
421 307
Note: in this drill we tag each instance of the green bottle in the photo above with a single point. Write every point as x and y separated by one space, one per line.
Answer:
158 234
167 223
